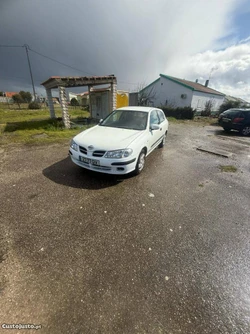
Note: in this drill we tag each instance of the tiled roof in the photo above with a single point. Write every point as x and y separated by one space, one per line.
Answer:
99 90
10 94
193 85
83 94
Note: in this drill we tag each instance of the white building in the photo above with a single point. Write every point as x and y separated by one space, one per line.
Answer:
174 92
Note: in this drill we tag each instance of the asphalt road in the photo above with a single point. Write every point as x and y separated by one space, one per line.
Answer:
165 252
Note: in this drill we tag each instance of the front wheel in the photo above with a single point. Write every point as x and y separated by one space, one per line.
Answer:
245 131
163 142
227 129
140 162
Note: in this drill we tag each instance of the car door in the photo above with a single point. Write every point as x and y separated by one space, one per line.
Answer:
155 136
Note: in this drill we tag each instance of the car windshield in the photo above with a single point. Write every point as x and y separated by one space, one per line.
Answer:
126 119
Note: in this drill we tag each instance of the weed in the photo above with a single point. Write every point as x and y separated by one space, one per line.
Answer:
228 169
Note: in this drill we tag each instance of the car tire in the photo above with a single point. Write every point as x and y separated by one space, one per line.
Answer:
227 129
163 142
245 131
140 162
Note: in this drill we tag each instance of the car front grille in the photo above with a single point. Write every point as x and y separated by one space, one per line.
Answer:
98 153
83 149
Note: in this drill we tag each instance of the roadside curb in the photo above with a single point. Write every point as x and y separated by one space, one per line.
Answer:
223 154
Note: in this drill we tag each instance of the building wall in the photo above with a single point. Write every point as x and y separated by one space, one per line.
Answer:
165 92
199 100
5 99
83 100
133 99
100 104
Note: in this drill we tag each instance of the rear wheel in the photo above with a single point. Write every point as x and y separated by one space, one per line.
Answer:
163 142
245 131
140 162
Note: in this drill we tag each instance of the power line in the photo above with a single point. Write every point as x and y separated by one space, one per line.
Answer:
57 61
27 53
11 46
33 86
42 55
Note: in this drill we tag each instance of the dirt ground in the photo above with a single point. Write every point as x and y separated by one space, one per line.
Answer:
167 251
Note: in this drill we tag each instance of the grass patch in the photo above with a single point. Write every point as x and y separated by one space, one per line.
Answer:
199 121
39 136
35 126
228 169
16 115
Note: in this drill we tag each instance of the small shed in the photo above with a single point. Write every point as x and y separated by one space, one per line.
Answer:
65 82
100 101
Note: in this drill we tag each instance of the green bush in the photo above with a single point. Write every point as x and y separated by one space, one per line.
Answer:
74 102
34 105
207 109
179 113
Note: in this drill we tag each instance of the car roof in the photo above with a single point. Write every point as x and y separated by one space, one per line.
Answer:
136 108
237 109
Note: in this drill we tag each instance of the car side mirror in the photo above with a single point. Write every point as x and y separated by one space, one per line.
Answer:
100 120
154 127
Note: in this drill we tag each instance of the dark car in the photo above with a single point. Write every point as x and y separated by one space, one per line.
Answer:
236 119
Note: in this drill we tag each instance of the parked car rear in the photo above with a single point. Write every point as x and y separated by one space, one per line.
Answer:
236 119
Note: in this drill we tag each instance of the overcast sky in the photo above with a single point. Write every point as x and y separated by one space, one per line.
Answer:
134 39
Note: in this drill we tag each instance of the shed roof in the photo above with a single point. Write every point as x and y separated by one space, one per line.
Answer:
56 81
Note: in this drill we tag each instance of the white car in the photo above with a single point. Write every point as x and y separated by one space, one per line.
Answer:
120 143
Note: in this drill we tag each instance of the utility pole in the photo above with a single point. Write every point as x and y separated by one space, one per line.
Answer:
34 92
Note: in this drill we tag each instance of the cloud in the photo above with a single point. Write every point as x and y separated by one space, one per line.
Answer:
229 69
135 40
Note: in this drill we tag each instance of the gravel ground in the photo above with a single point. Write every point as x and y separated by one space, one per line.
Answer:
164 252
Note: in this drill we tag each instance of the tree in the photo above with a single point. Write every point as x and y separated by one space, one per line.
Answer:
1 93
74 102
228 105
17 98
208 108
145 95
26 96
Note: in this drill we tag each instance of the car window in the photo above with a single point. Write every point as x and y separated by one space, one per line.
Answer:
113 118
161 116
247 114
126 119
241 114
154 119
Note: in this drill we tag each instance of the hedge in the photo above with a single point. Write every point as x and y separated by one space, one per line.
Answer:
179 113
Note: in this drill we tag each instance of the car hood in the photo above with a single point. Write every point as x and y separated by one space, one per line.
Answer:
107 138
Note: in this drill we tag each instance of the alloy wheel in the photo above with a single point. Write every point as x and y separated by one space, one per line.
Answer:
246 131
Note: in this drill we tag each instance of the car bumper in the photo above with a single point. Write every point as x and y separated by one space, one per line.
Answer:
230 125
107 166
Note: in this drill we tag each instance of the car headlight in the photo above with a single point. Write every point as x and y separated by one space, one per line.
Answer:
118 154
74 145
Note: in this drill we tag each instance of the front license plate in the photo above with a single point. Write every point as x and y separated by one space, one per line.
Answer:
89 161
